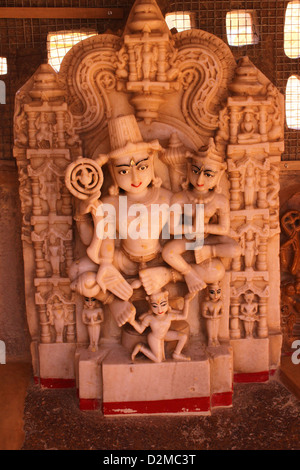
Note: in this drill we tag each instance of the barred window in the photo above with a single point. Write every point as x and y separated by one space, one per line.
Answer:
242 27
292 102
59 43
292 30
181 20
3 66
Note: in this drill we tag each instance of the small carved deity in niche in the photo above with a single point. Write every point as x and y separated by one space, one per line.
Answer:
57 317
50 191
159 319
249 248
92 317
249 128
212 310
54 254
44 135
205 170
248 315
250 186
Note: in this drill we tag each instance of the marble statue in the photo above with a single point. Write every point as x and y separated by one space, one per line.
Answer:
159 319
205 170
92 317
149 171
249 316
212 310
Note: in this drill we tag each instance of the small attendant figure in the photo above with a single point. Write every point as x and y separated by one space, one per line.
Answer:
92 317
249 315
159 319
212 310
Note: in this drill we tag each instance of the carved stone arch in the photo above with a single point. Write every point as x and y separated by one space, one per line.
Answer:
88 75
207 67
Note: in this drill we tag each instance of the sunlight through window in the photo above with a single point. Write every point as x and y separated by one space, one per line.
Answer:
241 27
181 20
60 43
3 66
292 30
292 102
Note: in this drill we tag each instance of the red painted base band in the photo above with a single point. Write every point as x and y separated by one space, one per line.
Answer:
89 404
252 377
55 383
221 399
180 405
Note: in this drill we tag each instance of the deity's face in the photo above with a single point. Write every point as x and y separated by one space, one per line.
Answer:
159 303
214 293
249 297
133 173
204 174
90 302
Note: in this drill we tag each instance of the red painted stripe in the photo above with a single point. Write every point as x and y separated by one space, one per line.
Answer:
251 377
89 404
221 399
57 383
179 405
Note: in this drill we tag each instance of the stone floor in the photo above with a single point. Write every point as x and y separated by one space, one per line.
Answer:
264 416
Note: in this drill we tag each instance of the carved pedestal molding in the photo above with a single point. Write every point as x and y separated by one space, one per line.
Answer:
181 103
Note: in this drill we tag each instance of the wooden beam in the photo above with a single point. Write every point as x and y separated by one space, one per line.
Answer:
289 165
62 12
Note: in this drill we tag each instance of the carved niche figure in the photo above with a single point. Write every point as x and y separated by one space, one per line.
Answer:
248 315
57 317
212 310
159 319
54 254
249 128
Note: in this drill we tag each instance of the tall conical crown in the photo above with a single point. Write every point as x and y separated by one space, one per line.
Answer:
126 138
211 152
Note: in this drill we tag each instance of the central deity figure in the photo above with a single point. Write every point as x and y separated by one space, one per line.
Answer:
125 247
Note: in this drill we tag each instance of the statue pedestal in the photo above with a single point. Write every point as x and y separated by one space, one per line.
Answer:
56 365
256 359
251 359
144 387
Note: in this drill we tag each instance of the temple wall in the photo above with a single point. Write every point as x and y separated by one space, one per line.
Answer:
13 325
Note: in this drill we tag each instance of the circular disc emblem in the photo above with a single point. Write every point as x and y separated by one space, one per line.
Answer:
83 178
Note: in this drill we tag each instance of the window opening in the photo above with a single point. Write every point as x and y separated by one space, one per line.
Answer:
292 30
292 102
242 27
3 66
181 20
58 44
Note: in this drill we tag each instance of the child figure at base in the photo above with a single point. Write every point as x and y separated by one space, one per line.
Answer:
212 310
159 319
